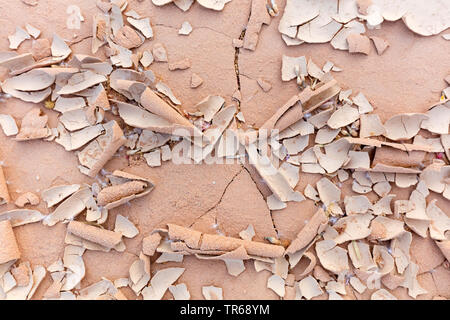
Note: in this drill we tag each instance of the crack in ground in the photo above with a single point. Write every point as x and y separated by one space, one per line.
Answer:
270 211
218 202
236 60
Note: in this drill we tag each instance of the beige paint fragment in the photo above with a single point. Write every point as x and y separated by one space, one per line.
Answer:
22 292
55 195
34 126
185 29
277 284
216 5
27 198
353 227
383 228
196 80
382 294
258 16
440 222
311 193
343 117
308 232
80 81
357 285
212 293
380 44
209 107
17 38
328 191
182 64
150 243
70 208
358 43
274 179
411 283
332 257
20 217
309 288
8 125
438 119
147 58
159 52
444 246
59 47
340 39
404 126
180 292
220 243
160 282
143 25
248 233
125 227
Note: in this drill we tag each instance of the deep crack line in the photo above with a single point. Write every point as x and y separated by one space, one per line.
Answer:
218 202
262 195
236 60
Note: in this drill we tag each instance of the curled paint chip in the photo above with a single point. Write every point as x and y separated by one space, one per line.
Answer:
10 250
4 193
275 180
308 232
124 188
106 238
221 244
165 90
95 155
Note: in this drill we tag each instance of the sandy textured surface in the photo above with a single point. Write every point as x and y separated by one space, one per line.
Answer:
408 77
